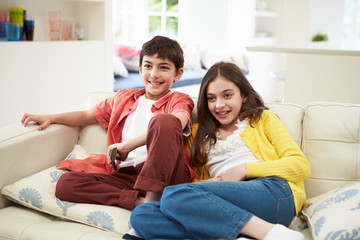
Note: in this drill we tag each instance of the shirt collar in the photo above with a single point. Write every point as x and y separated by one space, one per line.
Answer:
159 102
163 100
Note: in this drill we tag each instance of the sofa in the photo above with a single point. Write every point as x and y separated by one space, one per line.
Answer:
328 134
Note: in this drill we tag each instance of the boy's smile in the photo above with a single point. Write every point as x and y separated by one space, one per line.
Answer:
158 75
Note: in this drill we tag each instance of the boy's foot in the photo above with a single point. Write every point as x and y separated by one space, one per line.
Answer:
132 235
280 232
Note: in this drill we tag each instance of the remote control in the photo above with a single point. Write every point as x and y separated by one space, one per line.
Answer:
113 158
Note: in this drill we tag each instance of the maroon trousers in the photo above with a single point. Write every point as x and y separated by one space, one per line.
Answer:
164 166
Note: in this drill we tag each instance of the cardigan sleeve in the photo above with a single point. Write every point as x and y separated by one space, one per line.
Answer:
279 154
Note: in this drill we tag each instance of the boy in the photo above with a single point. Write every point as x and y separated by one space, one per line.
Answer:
143 124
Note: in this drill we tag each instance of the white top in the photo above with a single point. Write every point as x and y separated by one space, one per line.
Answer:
228 153
135 124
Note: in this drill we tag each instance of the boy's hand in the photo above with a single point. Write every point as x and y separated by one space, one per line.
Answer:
121 155
43 120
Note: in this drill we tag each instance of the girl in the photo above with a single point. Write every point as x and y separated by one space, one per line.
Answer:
251 171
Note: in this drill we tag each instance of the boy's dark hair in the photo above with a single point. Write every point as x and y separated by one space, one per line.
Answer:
164 48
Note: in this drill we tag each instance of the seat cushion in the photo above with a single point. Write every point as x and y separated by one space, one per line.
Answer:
38 192
17 222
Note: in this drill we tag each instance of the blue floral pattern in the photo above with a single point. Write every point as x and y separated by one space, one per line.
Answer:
32 196
337 199
38 192
55 175
101 219
344 235
64 205
335 215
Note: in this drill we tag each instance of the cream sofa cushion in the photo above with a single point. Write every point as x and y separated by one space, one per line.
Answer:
291 115
335 214
17 222
38 192
331 143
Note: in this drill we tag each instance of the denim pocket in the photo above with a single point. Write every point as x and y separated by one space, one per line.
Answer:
285 210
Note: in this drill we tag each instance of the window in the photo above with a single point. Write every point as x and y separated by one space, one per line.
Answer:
163 17
135 21
123 17
352 24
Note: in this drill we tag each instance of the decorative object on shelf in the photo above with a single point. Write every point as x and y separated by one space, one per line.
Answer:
2 31
261 5
29 27
13 31
54 23
17 21
67 30
79 32
4 18
320 38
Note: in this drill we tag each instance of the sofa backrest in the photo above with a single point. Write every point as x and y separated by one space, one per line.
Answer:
328 134
331 143
290 114
93 137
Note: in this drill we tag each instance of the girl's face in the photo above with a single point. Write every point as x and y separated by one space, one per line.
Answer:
158 75
224 102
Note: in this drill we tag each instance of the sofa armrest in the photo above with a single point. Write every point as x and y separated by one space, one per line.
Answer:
25 150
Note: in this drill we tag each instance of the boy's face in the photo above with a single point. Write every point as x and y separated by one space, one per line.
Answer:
158 75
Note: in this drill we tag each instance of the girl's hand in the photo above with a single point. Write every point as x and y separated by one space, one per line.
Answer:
237 173
121 155
217 179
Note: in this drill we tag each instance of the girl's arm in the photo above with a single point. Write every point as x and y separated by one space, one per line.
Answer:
290 162
78 118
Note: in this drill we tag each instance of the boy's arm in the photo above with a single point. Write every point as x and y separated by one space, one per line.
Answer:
124 148
78 118
183 118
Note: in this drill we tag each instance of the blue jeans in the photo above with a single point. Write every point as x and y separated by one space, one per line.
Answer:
211 210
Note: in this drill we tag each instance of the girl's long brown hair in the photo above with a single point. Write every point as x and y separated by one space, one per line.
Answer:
208 125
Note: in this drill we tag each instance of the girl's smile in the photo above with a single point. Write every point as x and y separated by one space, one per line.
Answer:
224 102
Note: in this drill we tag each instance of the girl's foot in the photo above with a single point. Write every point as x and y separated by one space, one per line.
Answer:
280 232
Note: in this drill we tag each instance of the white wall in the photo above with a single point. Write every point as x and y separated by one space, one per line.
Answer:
302 19
51 83
327 17
204 22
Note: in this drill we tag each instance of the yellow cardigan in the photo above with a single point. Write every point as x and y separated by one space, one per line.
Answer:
278 153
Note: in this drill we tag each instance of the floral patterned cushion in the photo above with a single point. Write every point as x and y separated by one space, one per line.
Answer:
38 192
335 215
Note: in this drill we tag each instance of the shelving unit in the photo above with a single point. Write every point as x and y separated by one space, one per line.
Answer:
46 76
266 22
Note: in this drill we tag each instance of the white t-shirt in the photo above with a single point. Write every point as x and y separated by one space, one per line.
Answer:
135 124
228 153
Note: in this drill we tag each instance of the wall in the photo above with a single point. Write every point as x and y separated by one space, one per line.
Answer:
48 84
327 17
302 19
204 22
